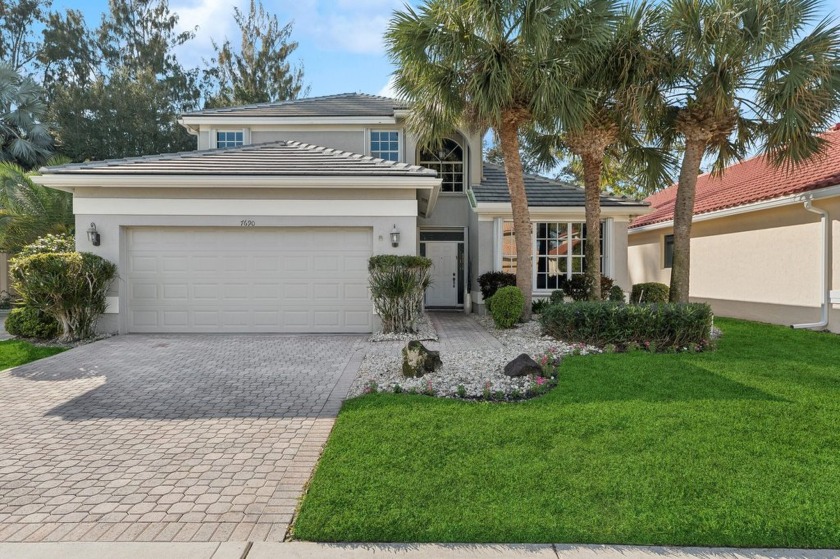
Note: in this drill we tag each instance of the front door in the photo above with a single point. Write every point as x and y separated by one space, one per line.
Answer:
443 292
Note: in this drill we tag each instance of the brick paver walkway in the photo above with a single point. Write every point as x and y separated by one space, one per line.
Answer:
168 438
460 332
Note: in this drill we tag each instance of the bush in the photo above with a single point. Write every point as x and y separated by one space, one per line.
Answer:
662 326
490 282
650 292
616 294
69 286
27 322
48 244
537 305
557 297
397 285
578 288
508 304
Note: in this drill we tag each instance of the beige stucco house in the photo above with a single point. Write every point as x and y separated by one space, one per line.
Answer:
268 226
763 241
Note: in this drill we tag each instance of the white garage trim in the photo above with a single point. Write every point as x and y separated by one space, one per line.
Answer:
315 208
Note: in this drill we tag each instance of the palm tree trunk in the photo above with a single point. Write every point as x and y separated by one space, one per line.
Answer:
509 139
683 214
592 184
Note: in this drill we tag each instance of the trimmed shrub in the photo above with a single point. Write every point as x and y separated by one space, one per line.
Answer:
662 326
557 297
508 304
650 292
69 286
26 322
490 282
616 294
397 285
578 288
47 244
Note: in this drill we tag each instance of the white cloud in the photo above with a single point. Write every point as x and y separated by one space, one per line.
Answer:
388 89
214 19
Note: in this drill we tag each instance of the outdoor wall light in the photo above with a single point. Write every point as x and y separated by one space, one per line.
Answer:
93 235
395 236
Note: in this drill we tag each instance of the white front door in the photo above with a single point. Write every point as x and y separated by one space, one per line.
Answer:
444 289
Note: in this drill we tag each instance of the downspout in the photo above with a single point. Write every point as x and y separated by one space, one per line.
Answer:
826 255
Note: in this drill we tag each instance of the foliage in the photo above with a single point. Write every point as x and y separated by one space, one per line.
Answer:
259 71
24 140
530 163
397 285
490 282
68 286
649 292
538 305
508 304
557 297
579 289
616 294
29 210
19 35
29 322
666 325
49 243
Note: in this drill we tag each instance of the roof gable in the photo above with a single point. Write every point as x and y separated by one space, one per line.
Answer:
340 105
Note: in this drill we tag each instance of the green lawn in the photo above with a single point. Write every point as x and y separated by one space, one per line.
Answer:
18 352
738 447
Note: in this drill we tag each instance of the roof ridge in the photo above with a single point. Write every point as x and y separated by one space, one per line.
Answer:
360 156
286 102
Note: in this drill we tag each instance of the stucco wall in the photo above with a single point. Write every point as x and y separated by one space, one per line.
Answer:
347 140
764 265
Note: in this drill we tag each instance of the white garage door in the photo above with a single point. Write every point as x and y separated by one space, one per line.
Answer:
248 279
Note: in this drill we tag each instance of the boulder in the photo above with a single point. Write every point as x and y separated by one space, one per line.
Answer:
523 366
419 360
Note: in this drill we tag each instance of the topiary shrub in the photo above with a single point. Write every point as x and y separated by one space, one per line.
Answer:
47 244
557 297
616 294
666 326
397 285
69 286
578 288
490 282
650 292
27 322
507 306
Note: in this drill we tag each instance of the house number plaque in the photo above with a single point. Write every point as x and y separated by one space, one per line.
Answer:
248 223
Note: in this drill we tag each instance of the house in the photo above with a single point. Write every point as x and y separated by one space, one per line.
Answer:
763 244
268 226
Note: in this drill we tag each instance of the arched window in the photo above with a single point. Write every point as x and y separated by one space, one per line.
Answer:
448 161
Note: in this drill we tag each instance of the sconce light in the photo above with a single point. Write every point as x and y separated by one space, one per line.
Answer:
395 236
93 235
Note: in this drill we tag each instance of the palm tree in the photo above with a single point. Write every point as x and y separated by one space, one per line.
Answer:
500 64
743 73
625 100
28 210
23 139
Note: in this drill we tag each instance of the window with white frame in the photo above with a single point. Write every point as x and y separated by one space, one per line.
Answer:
229 138
448 161
385 144
559 249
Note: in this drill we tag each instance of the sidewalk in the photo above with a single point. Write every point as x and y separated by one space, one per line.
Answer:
306 550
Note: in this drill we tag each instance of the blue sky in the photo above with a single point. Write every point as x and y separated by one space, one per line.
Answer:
340 40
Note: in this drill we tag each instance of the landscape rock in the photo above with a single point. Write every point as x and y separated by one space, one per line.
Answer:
419 360
522 366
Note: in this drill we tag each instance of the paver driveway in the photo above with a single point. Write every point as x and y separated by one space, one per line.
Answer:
168 438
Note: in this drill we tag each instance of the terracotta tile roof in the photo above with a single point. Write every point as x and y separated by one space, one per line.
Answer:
750 181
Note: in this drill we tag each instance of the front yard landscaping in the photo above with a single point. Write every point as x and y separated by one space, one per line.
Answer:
736 447
18 352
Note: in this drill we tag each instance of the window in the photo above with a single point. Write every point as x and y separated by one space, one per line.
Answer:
229 139
385 144
448 161
559 251
668 241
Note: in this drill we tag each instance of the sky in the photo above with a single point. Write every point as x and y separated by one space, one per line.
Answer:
340 41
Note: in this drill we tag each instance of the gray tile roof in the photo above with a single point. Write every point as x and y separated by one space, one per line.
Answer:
284 158
344 104
541 192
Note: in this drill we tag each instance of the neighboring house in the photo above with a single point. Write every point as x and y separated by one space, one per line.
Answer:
269 225
757 251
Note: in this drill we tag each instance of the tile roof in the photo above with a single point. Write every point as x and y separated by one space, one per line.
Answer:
541 192
753 180
284 158
343 104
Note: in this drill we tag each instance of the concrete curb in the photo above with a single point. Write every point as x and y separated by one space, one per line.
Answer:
124 550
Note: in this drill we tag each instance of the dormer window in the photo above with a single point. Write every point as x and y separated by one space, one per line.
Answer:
229 138
385 144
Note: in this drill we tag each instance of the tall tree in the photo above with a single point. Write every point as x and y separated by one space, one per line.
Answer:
744 73
502 64
260 70
24 140
19 37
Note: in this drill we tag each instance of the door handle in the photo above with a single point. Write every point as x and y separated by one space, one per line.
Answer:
453 280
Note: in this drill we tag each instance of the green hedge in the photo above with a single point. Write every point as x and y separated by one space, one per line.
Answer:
650 292
507 306
26 322
490 282
657 327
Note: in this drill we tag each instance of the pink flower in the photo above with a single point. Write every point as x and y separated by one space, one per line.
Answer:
540 381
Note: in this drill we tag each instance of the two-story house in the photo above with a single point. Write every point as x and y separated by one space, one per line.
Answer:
268 225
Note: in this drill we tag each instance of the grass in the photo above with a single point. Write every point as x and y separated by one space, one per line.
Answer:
738 447
18 352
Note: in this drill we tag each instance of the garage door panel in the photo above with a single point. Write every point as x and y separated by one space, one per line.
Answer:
248 280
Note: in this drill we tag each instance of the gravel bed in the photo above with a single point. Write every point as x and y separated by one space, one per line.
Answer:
478 370
425 331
